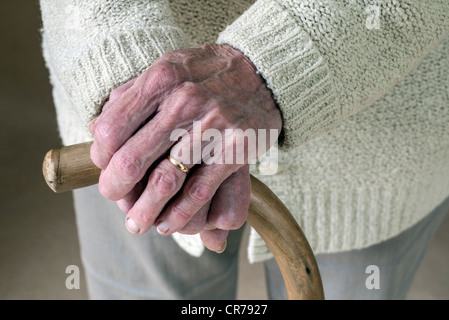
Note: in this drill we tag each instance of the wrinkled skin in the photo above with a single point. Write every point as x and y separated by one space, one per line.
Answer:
214 84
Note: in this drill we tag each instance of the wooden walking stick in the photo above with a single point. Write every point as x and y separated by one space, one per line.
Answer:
70 168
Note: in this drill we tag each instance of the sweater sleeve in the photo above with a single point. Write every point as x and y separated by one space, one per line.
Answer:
327 60
91 47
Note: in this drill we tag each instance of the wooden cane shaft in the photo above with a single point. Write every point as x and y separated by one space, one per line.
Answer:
71 168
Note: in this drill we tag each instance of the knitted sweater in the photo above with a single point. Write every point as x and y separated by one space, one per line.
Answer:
363 88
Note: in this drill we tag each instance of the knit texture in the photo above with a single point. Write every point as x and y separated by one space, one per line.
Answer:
365 141
91 47
369 159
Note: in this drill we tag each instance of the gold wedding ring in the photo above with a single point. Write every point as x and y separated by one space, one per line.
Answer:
178 164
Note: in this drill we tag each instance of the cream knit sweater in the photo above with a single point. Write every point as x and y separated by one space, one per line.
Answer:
363 87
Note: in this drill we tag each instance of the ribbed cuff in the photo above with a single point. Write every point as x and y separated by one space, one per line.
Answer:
293 68
91 77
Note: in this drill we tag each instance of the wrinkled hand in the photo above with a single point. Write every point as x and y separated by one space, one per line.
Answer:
215 86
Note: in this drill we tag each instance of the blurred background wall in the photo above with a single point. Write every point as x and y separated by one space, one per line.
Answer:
38 237
37 231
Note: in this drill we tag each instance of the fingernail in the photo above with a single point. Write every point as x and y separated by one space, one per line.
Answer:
132 226
162 227
223 247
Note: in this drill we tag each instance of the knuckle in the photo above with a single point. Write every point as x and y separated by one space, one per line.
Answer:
161 70
237 222
232 221
173 112
191 90
164 181
200 192
116 94
186 101
180 107
164 72
128 166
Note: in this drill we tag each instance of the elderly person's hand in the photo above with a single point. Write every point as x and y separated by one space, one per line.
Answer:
209 87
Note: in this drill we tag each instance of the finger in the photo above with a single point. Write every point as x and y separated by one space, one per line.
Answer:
113 97
130 163
229 207
197 191
117 93
163 183
198 222
134 107
152 141
214 240
165 180
126 203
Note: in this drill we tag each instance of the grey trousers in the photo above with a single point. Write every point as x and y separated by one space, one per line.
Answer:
119 265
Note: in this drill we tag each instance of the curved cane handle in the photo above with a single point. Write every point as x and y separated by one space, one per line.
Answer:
70 168
282 234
